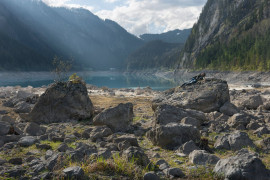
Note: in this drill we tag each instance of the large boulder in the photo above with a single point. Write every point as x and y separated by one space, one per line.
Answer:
206 96
244 165
235 141
117 118
173 135
62 101
4 128
252 102
201 157
165 114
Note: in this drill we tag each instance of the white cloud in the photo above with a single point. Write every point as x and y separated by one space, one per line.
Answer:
111 1
66 3
143 16
146 16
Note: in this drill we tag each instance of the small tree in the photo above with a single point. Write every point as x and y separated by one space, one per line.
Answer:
60 69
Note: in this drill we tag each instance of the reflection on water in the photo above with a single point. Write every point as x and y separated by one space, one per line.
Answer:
100 79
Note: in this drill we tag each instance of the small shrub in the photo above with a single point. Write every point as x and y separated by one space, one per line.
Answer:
61 69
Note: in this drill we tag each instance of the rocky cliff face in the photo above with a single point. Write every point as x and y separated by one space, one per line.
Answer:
224 25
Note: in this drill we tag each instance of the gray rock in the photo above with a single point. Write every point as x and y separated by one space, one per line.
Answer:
105 153
161 161
253 102
63 147
22 107
174 172
197 96
253 125
43 146
1 143
235 141
163 166
150 176
229 109
10 138
188 147
16 161
131 139
2 161
238 119
27 141
191 121
262 131
51 162
33 129
100 132
117 118
165 114
136 154
8 119
201 157
265 143
38 168
173 135
17 171
244 165
75 172
61 102
4 128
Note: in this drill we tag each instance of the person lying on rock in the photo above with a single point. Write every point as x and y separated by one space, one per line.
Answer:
195 79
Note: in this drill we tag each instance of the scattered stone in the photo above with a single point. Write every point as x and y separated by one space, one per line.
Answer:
22 107
262 131
43 146
75 172
188 147
174 172
201 157
165 114
229 109
100 132
27 141
173 135
244 165
51 162
238 119
117 118
253 102
235 141
150 176
136 154
128 138
17 171
16 161
33 129
62 101
8 119
63 148
191 121
4 128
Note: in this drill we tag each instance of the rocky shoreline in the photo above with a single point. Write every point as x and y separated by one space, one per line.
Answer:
75 131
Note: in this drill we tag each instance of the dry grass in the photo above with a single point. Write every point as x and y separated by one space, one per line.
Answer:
141 105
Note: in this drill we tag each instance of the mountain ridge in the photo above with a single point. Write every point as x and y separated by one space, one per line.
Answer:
229 35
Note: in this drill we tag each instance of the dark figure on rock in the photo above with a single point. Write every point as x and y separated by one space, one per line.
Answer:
195 79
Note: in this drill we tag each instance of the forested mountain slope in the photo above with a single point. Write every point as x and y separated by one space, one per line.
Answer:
230 35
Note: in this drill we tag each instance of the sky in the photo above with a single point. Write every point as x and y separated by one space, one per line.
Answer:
142 16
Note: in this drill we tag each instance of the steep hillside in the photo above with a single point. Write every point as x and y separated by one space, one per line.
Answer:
44 32
154 54
175 36
230 35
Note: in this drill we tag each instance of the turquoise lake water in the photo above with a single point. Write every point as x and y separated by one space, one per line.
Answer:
100 79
